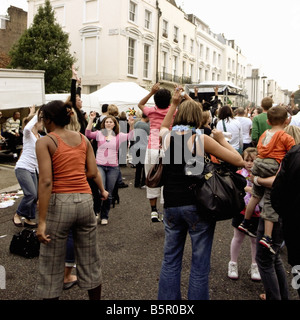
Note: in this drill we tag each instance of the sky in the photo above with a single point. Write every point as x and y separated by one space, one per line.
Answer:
267 32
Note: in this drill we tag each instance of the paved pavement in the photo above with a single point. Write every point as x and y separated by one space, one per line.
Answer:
132 250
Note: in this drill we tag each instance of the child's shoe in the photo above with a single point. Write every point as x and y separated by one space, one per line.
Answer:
248 229
266 241
233 270
255 275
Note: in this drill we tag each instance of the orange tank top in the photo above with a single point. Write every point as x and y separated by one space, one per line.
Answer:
69 167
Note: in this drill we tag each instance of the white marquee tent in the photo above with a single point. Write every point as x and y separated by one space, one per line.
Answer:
124 95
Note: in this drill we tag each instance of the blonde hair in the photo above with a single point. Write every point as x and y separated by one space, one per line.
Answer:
293 131
113 110
74 124
189 113
205 117
248 152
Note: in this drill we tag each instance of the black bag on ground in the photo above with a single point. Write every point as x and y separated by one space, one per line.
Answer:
25 244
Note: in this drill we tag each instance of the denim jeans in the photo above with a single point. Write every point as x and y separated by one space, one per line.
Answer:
70 256
270 265
178 222
109 177
28 181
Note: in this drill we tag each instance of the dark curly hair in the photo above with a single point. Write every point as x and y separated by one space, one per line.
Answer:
58 112
162 98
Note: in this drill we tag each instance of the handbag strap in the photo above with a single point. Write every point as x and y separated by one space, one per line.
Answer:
224 127
194 151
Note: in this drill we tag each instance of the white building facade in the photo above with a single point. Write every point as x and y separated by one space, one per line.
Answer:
144 41
258 86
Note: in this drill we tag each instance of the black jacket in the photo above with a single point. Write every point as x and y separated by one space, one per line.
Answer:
285 199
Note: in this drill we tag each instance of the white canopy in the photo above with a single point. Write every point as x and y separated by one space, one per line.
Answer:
123 94
224 87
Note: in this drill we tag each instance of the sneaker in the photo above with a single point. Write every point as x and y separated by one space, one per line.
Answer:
233 270
15 155
255 276
249 230
154 216
266 241
104 221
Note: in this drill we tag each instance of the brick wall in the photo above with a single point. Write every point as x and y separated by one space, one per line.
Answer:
15 27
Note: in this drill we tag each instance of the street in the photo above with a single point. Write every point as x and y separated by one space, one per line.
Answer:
132 250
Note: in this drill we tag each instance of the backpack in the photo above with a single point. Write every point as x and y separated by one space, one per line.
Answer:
25 244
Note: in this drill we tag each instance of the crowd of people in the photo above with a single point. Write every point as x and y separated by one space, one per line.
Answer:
70 164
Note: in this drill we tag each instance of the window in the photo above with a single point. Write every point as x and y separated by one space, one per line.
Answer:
175 61
132 11
214 58
131 56
183 68
146 60
206 75
165 28
91 11
199 75
201 50
229 63
164 63
191 71
148 18
207 54
175 34
184 42
192 46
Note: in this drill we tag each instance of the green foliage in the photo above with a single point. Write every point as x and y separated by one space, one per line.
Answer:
44 46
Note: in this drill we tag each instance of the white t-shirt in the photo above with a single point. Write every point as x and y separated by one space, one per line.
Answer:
234 127
295 120
246 124
28 158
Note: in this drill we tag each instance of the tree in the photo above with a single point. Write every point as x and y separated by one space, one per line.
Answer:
44 46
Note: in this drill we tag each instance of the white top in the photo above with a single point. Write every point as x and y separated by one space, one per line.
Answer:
234 127
246 124
295 120
28 158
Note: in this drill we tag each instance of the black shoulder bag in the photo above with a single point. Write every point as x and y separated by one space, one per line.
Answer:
219 191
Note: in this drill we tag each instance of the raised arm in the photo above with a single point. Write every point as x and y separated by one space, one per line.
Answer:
143 102
176 99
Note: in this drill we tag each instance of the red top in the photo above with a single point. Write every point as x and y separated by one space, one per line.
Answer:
69 167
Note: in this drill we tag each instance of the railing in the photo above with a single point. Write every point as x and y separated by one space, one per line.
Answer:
173 78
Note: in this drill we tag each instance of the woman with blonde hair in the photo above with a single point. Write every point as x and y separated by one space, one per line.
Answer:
113 110
180 212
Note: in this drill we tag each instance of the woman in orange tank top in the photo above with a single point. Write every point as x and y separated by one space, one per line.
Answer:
66 159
